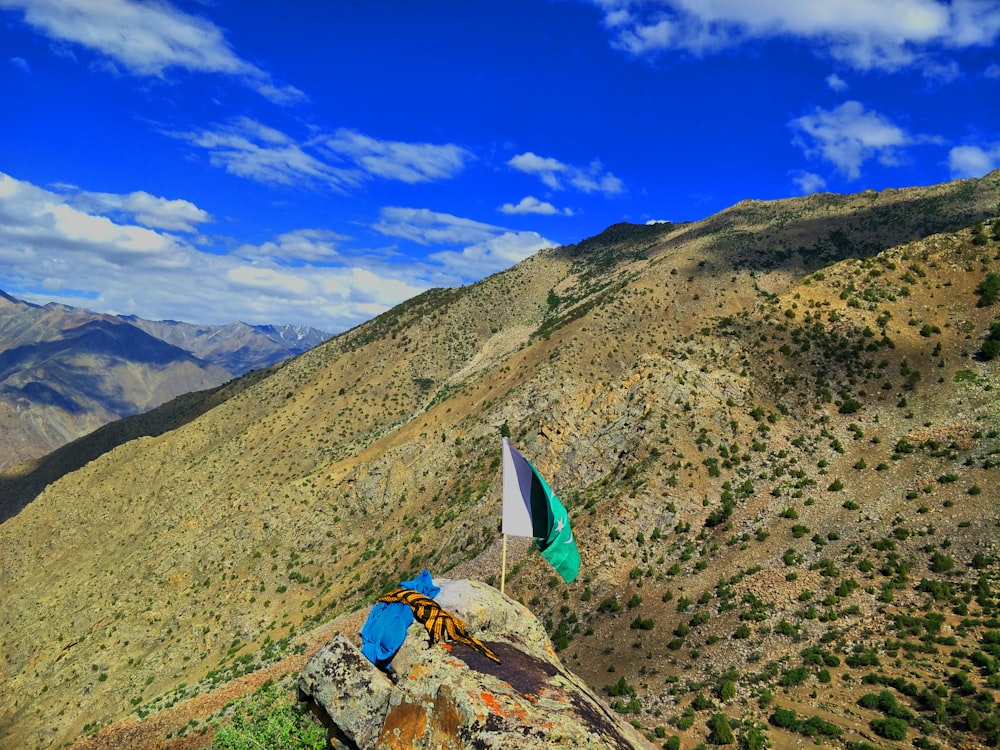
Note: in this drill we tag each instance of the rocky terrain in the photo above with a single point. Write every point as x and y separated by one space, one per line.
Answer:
66 371
776 431
449 695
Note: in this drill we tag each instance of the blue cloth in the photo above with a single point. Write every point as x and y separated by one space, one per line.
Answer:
385 629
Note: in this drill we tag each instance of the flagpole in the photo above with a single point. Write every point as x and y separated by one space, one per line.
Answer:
503 563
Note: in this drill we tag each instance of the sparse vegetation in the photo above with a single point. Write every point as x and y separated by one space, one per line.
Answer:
266 720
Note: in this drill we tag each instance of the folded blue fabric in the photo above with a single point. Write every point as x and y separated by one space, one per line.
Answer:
385 629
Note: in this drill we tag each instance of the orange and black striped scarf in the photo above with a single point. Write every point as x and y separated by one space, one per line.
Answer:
440 623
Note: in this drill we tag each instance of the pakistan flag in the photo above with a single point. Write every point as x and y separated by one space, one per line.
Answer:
531 508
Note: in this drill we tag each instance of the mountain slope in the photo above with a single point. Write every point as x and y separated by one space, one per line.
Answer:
66 371
770 428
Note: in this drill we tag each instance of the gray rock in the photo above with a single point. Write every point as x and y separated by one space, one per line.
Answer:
451 696
353 691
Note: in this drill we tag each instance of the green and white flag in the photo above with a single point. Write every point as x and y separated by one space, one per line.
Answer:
531 508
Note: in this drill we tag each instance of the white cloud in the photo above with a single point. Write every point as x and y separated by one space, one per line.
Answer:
148 210
83 248
807 182
849 135
37 225
492 255
51 248
556 175
529 204
836 83
271 281
546 169
992 71
863 34
396 160
21 64
250 149
301 245
426 227
147 39
973 161
482 248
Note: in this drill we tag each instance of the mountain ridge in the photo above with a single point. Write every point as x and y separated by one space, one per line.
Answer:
762 450
65 371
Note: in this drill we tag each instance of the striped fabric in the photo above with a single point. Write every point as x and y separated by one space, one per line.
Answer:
440 623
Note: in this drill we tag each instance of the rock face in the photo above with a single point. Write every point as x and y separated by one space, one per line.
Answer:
450 696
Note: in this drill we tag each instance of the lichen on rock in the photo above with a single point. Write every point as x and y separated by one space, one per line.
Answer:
451 696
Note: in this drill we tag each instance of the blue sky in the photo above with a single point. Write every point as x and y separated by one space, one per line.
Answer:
317 163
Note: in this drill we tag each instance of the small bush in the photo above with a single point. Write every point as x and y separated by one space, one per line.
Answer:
721 733
890 728
262 720
620 688
610 604
785 718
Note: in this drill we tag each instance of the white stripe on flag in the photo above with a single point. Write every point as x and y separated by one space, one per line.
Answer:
516 493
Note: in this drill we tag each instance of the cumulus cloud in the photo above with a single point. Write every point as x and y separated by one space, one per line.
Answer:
143 208
35 222
529 204
807 182
148 39
481 249
849 135
973 161
836 83
52 247
859 33
297 247
489 256
90 249
559 176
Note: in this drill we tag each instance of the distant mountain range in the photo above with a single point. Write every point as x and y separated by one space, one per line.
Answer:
65 371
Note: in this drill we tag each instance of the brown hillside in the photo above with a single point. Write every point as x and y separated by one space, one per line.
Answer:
778 449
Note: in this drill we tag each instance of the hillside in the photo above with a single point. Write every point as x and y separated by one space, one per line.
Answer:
772 429
65 371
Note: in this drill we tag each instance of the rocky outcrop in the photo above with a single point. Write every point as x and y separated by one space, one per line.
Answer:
450 696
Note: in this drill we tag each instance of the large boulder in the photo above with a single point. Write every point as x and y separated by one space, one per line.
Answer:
451 696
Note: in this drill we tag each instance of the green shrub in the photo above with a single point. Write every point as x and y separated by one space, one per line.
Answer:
785 718
727 690
941 563
988 290
721 733
262 719
814 725
610 604
793 677
754 738
890 728
619 688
